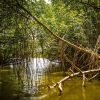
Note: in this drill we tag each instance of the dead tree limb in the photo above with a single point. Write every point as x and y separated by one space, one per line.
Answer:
72 75
60 88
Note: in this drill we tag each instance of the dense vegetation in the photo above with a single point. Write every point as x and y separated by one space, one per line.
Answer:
65 34
77 21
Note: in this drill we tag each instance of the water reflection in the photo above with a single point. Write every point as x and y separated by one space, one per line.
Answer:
36 79
73 90
8 86
36 74
83 93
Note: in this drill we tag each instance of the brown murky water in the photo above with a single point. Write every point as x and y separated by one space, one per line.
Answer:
11 89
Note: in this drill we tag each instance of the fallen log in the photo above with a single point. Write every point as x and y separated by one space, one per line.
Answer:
72 75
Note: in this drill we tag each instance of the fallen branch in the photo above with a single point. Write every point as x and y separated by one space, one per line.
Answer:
78 69
72 75
60 88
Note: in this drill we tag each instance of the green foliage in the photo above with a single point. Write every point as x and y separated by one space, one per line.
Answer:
21 37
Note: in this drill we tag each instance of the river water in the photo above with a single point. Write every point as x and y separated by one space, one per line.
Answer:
11 87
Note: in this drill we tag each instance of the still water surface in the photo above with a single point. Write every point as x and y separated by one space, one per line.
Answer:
12 89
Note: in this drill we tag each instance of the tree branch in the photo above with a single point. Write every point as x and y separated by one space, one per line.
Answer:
49 31
72 75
